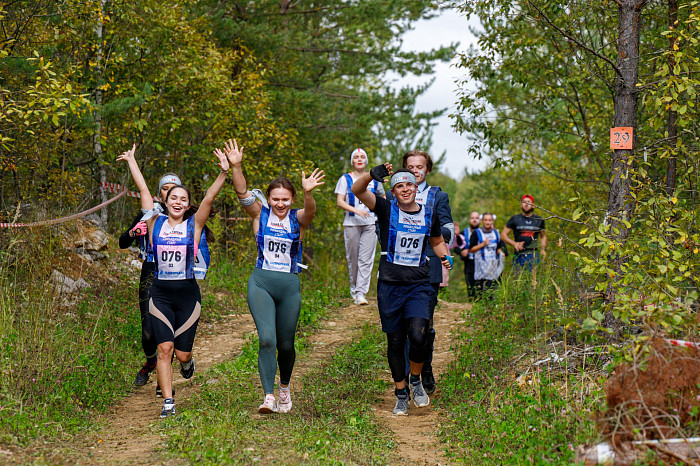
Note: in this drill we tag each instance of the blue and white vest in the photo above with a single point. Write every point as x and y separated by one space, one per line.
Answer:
279 242
352 200
173 250
486 259
408 233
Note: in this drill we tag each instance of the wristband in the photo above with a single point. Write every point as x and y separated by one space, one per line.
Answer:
449 259
379 172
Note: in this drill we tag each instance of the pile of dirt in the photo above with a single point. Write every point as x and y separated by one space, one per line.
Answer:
655 397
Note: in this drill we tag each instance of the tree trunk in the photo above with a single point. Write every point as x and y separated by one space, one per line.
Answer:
672 114
97 112
619 206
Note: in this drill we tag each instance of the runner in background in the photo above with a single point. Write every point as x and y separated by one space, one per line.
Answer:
274 292
358 227
404 291
484 243
445 272
139 230
175 304
527 227
462 250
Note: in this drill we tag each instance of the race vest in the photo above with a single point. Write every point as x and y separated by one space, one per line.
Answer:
279 242
408 233
429 193
145 250
486 260
373 187
174 251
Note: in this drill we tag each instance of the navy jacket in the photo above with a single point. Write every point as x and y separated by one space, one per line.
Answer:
444 213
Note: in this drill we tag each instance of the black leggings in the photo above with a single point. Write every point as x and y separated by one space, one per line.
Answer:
148 341
175 307
417 330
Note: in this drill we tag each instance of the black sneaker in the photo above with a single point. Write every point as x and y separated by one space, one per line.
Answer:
428 380
168 407
159 392
143 374
187 373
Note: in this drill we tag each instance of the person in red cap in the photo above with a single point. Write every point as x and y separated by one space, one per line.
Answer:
527 228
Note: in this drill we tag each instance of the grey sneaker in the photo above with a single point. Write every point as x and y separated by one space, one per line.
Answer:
420 398
401 408
168 407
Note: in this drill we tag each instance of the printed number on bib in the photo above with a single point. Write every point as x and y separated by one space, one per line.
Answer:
173 259
409 248
277 254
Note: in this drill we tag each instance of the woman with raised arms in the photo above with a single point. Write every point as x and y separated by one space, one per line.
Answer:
175 303
274 294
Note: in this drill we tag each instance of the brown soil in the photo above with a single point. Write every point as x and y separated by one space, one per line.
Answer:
416 434
654 396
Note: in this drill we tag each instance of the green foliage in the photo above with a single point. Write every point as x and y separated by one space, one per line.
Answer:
493 418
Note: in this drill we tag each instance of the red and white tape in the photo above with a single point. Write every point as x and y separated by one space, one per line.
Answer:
687 344
117 188
63 219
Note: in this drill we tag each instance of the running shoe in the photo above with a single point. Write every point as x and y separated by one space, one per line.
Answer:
420 398
159 392
401 408
284 405
168 407
361 300
428 380
143 374
187 373
268 405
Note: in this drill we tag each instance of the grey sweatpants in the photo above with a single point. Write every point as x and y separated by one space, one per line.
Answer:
360 246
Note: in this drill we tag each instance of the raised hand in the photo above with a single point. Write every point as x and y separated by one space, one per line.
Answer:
234 155
128 155
223 160
314 179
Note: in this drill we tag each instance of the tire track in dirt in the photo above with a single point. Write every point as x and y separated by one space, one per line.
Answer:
128 434
416 434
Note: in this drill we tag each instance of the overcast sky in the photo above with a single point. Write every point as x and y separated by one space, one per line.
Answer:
450 26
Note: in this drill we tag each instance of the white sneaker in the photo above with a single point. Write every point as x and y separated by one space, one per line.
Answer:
284 405
361 301
268 405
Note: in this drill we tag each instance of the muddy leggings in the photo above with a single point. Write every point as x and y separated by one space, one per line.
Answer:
274 299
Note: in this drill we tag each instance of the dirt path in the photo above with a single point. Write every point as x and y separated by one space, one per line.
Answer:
128 436
415 434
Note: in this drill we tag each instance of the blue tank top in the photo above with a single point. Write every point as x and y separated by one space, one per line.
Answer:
173 251
279 242
373 187
408 233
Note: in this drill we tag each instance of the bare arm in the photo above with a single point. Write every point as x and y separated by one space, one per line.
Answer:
543 243
340 202
440 249
517 245
306 215
146 199
235 158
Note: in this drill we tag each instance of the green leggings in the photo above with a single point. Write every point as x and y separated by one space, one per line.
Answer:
274 299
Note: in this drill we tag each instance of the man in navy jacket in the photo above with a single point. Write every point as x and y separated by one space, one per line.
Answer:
421 164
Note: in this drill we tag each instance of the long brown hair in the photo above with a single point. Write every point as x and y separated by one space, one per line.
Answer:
191 210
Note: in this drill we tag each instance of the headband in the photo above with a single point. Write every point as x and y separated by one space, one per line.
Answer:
359 151
168 179
401 177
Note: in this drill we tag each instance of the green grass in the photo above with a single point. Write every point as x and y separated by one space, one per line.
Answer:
331 423
493 420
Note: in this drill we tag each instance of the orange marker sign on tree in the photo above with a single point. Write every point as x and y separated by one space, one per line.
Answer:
621 138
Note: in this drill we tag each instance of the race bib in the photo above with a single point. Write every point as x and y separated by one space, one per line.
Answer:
172 261
277 254
409 248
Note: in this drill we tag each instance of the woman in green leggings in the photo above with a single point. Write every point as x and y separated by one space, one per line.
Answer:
274 295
